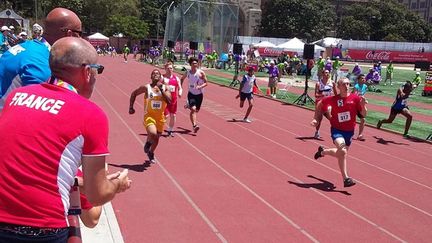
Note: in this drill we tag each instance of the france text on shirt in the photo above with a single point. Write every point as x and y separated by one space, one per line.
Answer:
37 102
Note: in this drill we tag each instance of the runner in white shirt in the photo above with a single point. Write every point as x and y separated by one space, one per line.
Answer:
197 80
246 92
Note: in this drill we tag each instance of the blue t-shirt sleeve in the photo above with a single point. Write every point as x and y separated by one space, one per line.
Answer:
34 73
35 66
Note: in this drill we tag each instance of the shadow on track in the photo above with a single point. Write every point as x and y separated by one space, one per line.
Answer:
323 185
135 167
385 142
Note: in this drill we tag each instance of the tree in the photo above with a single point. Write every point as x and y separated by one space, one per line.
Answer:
130 26
383 20
308 19
97 12
154 13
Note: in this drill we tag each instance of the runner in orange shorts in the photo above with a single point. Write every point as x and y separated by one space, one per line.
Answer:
156 98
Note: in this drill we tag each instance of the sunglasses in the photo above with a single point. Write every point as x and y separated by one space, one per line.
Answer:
98 67
77 32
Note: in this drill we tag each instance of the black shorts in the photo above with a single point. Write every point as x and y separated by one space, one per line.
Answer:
195 100
244 96
397 111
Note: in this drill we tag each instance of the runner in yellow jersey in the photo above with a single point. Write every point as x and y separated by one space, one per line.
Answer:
156 98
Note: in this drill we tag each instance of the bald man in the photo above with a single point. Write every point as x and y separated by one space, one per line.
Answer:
27 63
58 130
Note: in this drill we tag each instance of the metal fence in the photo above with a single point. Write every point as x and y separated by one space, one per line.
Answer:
211 24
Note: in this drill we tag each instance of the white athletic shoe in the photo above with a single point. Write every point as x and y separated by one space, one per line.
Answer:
247 120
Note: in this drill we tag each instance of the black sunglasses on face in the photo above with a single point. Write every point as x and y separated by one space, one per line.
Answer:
99 67
78 32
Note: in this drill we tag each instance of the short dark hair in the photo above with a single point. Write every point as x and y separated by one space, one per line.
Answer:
407 85
360 76
192 59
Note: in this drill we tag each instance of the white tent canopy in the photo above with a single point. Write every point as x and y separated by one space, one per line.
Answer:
97 36
294 45
297 45
328 42
264 44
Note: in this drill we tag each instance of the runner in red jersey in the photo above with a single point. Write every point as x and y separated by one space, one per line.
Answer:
174 86
342 110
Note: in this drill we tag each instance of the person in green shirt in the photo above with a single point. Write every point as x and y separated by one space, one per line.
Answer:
335 68
320 65
416 82
389 73
126 52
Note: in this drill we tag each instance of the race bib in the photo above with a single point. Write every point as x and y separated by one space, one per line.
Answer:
404 102
171 88
156 104
191 86
344 116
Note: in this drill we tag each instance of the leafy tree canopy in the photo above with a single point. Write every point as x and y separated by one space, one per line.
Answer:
306 19
383 20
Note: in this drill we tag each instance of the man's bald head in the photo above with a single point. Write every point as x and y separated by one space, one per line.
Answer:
61 22
70 53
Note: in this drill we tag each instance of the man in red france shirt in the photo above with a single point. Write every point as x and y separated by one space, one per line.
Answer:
341 110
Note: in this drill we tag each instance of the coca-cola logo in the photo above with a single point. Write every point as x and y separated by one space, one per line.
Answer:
270 51
374 55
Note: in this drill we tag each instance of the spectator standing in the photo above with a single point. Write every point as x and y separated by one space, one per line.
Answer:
416 82
360 88
37 178
273 73
320 67
337 64
389 73
27 63
126 52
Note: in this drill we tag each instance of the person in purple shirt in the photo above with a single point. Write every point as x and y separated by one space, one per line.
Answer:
273 72
200 58
328 66
356 72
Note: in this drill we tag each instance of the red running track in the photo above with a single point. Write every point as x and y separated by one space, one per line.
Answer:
258 182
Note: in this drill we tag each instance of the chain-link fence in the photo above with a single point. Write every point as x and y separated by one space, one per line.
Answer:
211 24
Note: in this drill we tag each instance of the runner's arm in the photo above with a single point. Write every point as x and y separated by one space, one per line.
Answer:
135 93
183 77
180 91
318 94
203 78
165 93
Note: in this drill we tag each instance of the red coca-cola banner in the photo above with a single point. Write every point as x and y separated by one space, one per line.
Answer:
386 56
274 52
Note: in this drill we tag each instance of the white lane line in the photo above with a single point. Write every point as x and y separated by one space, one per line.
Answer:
336 171
177 185
356 158
294 178
286 218
226 172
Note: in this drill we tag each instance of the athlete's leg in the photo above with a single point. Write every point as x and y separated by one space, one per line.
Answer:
250 101
406 112
193 115
390 119
340 152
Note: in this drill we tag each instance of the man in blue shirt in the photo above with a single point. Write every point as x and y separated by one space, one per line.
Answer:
28 62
